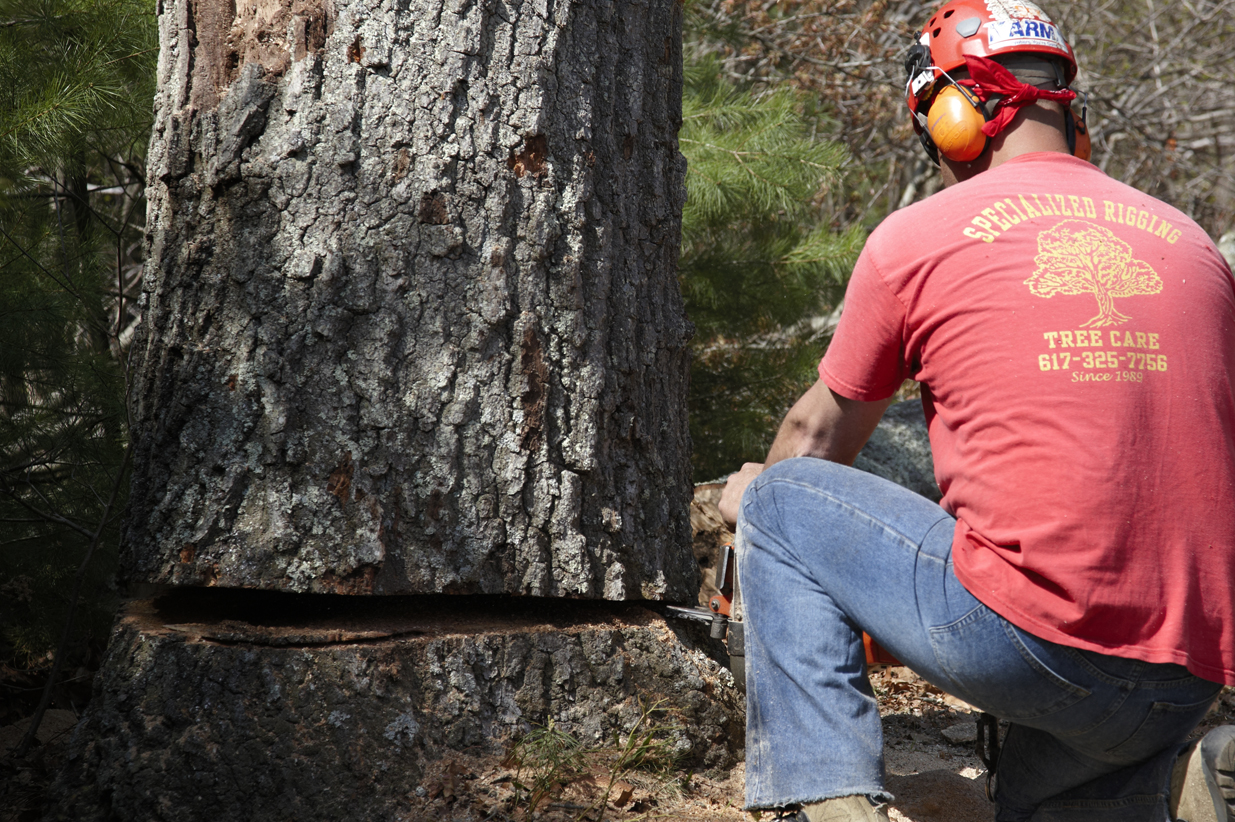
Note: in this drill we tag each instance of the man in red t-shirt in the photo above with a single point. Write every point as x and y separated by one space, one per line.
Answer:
1074 340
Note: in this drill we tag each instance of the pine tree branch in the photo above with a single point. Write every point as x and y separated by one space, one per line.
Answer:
65 285
738 155
32 732
131 56
46 516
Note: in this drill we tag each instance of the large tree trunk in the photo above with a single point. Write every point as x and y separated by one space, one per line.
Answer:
411 322
411 326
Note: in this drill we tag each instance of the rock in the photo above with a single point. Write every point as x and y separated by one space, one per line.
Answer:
899 450
242 706
1227 246
961 733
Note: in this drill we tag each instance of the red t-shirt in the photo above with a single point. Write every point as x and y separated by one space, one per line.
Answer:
1075 341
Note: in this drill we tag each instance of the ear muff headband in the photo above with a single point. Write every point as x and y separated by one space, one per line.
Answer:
1078 132
953 127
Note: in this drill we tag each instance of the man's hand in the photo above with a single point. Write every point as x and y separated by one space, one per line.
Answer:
731 497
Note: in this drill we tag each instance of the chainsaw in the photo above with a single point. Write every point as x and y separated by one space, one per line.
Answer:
719 614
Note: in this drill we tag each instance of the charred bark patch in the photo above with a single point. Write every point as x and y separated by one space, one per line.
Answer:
536 379
340 481
531 159
433 208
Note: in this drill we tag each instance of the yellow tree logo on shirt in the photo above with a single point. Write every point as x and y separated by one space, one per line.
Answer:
1079 257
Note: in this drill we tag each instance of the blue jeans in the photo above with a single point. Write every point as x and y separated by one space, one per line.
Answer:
826 551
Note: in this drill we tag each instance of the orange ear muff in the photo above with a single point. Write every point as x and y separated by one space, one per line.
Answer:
1079 136
955 125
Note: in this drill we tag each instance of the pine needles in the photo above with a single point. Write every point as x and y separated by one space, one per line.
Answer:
76 86
760 268
74 75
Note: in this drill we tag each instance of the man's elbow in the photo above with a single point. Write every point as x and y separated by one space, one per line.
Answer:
803 438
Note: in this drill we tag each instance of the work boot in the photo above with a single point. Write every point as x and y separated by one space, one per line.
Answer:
1203 782
841 809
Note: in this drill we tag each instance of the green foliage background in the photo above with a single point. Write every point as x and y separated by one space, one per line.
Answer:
761 264
76 84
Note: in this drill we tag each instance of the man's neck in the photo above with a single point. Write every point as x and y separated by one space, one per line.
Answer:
1036 127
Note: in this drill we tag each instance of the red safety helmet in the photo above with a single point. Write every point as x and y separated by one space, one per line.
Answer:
978 28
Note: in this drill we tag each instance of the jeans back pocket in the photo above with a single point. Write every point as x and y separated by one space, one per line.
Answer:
994 667
1166 724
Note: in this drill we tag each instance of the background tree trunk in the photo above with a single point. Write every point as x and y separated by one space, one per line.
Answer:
411 321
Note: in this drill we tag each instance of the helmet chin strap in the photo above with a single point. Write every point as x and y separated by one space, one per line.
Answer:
988 78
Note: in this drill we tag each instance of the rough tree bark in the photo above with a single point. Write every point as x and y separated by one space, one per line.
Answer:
411 320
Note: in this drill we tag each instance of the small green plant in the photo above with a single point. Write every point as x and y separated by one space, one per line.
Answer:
648 748
548 762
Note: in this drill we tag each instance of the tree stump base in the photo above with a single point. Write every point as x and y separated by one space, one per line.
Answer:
247 705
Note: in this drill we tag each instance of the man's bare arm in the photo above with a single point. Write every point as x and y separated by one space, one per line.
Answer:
826 425
821 424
